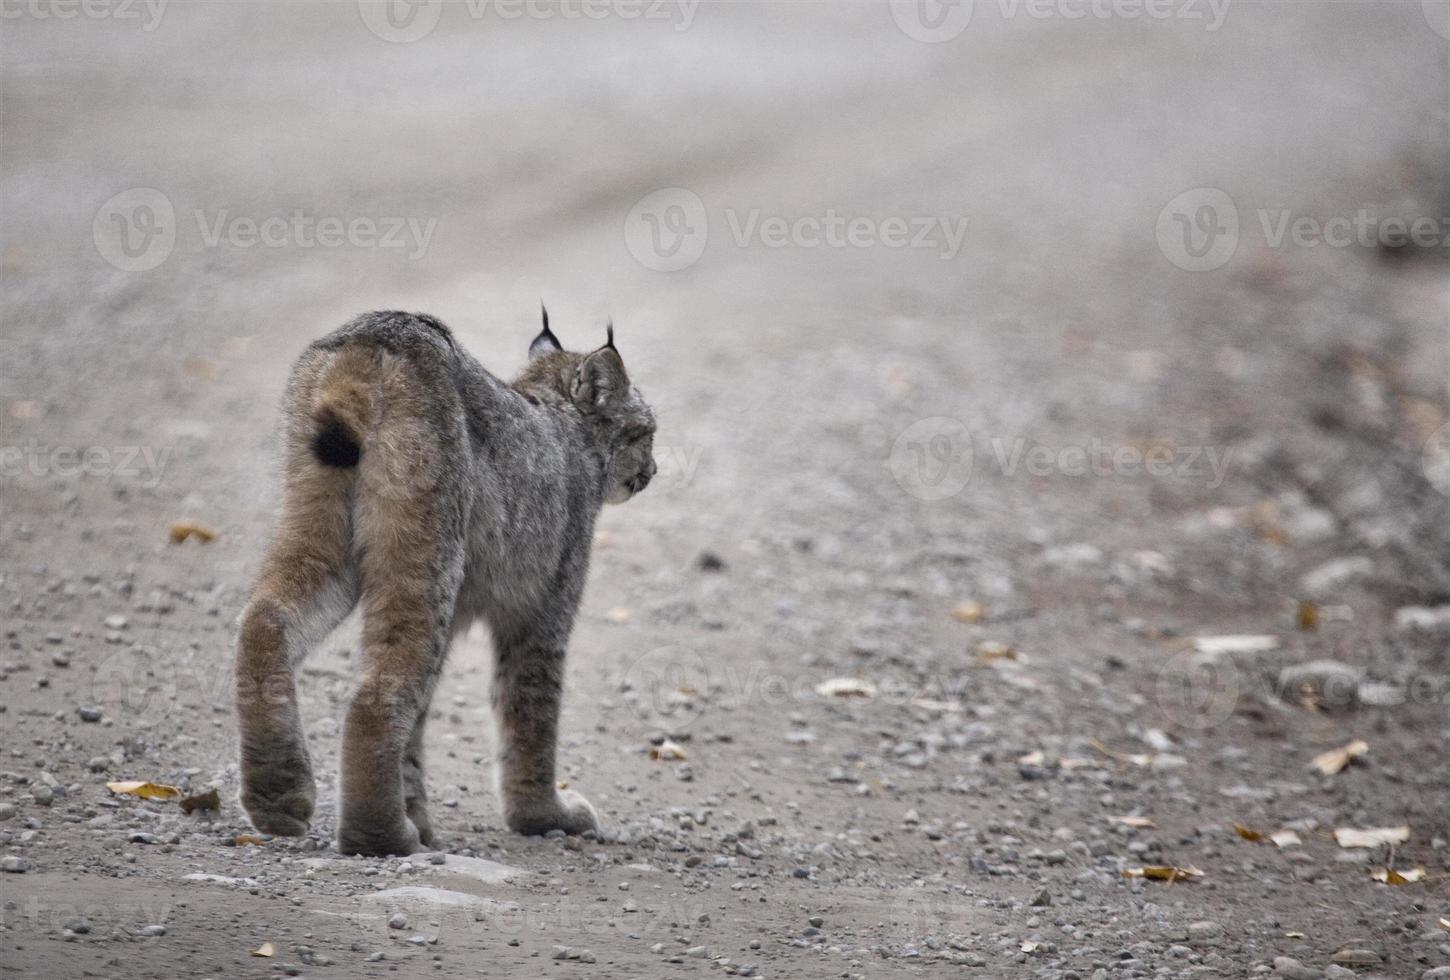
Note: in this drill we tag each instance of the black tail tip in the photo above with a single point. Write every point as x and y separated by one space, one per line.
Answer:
335 445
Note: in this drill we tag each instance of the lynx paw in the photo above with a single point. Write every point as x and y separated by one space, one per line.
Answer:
371 842
279 799
567 811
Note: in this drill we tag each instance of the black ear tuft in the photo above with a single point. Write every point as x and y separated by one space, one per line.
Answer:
545 342
609 334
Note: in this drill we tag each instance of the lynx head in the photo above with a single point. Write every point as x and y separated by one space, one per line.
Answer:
596 384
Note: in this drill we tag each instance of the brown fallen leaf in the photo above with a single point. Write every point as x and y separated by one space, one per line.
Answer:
1167 873
242 840
1136 758
1389 876
266 949
145 790
1141 823
992 650
969 612
1373 837
1335 760
667 751
1248 834
846 687
210 800
563 784
200 367
1308 616
182 530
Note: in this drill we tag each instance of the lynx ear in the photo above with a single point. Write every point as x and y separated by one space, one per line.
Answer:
600 380
545 342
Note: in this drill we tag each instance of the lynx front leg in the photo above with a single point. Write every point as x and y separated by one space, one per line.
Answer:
527 684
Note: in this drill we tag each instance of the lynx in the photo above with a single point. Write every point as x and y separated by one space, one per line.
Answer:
421 486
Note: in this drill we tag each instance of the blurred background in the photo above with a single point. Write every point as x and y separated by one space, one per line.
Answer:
1127 321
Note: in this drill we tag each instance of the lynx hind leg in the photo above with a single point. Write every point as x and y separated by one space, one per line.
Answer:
307 586
527 689
415 792
411 519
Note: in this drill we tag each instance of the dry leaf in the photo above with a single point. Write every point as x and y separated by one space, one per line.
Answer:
846 687
1028 946
266 949
1285 838
242 840
1294 935
1032 759
1308 616
1215 645
992 650
1164 873
210 800
617 615
182 530
1334 760
1445 923
1142 823
1136 758
1389 876
200 367
667 751
145 790
563 784
969 612
1373 837
1248 834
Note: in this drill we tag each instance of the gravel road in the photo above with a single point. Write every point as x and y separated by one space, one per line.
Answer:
1054 463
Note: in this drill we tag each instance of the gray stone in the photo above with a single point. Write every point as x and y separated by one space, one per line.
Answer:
1292 969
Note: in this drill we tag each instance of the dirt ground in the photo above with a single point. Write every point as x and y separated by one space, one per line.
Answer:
1004 365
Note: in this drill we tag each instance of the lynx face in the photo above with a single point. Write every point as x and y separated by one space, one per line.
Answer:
623 426
631 460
